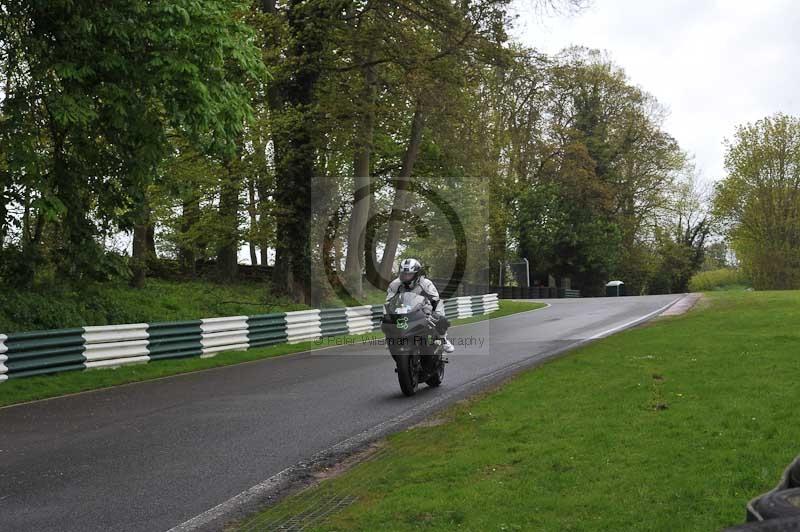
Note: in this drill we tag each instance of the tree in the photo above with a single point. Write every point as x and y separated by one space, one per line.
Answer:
91 93
161 121
717 256
759 200
296 136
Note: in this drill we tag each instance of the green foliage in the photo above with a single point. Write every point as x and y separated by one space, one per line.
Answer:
565 237
673 268
759 200
61 306
91 96
198 126
717 256
595 175
722 279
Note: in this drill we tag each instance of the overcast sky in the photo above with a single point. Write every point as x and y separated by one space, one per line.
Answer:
713 63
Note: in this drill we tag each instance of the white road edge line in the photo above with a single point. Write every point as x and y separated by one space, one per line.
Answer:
636 321
263 488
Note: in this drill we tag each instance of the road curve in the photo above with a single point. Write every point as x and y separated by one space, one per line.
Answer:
152 455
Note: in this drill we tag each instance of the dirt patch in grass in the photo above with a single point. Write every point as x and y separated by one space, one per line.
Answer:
338 468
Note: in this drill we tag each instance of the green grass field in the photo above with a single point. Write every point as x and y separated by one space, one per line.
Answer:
670 426
21 390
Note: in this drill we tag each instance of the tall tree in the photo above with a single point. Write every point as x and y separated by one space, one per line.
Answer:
296 136
105 85
401 195
759 200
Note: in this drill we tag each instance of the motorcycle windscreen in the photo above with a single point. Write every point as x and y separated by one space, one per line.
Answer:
405 303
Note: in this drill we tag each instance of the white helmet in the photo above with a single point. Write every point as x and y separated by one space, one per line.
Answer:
410 270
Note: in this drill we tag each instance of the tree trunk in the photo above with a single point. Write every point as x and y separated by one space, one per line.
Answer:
400 203
141 259
190 215
354 262
3 214
30 241
78 253
253 212
139 262
263 188
275 101
151 242
371 264
331 252
296 142
227 255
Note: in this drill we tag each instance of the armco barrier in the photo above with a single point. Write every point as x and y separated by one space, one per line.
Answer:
44 352
490 303
115 345
303 325
175 339
3 358
377 316
451 308
359 319
224 334
464 307
476 305
266 329
508 292
333 322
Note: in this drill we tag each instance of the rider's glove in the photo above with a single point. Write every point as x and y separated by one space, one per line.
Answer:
432 320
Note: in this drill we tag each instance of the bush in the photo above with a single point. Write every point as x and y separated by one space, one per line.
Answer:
723 279
110 303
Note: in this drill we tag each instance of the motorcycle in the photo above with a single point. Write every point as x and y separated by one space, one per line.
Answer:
413 342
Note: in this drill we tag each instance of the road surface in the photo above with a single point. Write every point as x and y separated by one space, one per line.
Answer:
154 455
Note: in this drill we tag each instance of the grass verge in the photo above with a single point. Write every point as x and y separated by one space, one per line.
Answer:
111 303
29 389
672 426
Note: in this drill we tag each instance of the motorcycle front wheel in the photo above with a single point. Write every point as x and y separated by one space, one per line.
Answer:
407 374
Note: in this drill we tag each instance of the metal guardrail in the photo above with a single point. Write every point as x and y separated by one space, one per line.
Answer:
46 352
43 352
506 292
359 319
175 339
116 344
3 358
267 329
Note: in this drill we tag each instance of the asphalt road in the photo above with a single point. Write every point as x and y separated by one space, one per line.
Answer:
153 455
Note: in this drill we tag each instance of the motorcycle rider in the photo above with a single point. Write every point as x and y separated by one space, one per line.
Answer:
410 279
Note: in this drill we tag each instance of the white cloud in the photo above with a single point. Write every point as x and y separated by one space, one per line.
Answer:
713 63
